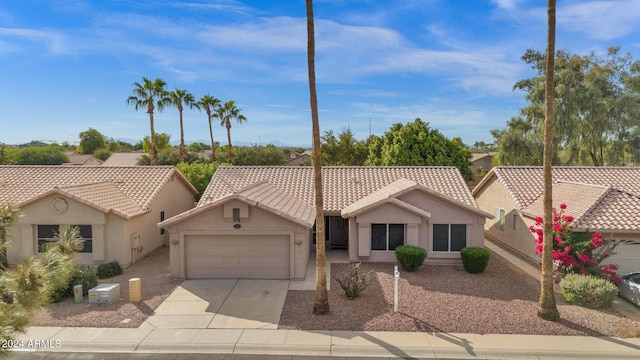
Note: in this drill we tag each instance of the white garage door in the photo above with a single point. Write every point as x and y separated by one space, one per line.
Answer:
237 256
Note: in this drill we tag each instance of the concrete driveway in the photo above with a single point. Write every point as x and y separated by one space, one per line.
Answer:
222 304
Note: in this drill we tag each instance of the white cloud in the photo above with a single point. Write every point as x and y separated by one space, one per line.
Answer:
601 20
506 4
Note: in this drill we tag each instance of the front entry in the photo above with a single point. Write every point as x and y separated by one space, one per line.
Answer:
337 232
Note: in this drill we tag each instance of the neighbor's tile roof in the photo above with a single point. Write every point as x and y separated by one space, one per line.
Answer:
342 186
123 159
126 190
525 185
603 198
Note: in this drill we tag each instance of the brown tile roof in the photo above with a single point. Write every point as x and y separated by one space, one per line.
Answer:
262 195
81 159
125 190
342 186
600 198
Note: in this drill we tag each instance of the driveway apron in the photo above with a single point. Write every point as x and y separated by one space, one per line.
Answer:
222 304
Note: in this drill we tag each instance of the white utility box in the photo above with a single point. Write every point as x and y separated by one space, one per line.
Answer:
104 294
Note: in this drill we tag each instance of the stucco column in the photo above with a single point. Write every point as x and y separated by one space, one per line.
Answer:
364 239
412 234
29 241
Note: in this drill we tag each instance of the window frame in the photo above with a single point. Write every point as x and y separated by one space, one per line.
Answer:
450 240
87 247
500 218
41 241
387 233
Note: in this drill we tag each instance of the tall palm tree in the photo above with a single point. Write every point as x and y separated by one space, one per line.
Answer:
209 104
321 300
150 95
179 98
225 113
547 308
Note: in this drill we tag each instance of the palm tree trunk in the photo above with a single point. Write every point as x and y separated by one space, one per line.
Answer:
154 151
547 308
181 155
321 301
213 145
228 125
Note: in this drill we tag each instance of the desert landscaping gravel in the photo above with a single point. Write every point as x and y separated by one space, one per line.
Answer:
153 270
437 298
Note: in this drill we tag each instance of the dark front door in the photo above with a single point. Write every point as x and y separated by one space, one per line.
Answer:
338 231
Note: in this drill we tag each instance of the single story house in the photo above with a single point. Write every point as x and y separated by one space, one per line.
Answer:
295 158
481 162
123 159
82 159
601 199
116 208
258 221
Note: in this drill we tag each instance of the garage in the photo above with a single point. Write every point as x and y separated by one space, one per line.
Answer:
626 257
237 256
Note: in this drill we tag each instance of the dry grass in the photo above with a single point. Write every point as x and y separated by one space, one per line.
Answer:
156 283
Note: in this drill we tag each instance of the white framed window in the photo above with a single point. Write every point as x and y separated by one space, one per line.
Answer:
86 233
387 237
500 219
46 233
449 237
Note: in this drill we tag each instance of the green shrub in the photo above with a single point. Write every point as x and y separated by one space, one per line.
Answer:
475 259
587 290
410 257
108 270
82 275
353 281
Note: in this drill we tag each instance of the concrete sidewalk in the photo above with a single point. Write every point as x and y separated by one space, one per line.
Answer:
329 343
148 339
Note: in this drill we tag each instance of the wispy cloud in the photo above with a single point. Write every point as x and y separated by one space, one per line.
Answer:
602 20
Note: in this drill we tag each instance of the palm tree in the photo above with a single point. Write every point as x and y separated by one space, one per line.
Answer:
225 113
209 104
547 308
150 95
321 300
180 97
9 215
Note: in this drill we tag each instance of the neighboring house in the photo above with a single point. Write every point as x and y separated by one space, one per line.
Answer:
82 159
123 159
258 221
601 199
295 158
116 208
481 162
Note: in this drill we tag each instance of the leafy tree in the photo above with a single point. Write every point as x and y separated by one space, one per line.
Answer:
258 155
210 104
150 95
8 218
547 308
102 154
179 98
169 156
321 300
162 142
415 144
343 150
29 285
39 155
198 146
225 113
199 174
91 140
596 112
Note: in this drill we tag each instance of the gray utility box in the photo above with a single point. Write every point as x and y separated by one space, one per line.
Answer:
104 294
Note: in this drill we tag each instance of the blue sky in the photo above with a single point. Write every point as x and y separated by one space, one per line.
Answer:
67 65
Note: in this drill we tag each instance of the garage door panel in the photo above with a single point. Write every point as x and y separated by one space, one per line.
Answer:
237 256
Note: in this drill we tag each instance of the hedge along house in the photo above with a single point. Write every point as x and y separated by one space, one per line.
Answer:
258 222
115 208
601 199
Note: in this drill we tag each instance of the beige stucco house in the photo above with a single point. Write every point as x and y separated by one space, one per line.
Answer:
258 221
601 199
116 208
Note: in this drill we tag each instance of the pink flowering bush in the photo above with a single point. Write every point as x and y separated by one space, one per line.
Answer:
576 252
